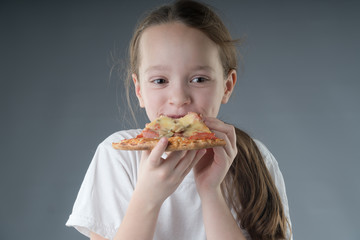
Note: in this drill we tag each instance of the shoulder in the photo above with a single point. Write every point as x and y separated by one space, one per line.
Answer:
272 166
107 155
108 184
120 135
106 144
268 157
274 170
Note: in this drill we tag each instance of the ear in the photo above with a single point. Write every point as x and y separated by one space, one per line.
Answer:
229 86
138 90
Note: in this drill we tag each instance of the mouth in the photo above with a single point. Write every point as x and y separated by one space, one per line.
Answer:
180 115
175 116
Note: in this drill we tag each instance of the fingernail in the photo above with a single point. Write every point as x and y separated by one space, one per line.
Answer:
202 151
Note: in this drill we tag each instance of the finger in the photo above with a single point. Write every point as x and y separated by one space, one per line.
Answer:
229 144
174 158
155 155
200 153
186 160
229 150
197 155
218 126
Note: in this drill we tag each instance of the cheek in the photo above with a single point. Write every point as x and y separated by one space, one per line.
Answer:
151 96
214 94
213 99
154 100
210 100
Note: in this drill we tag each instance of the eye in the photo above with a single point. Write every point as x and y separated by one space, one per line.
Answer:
159 81
199 80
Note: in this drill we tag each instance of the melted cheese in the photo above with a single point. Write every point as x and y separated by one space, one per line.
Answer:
193 124
186 126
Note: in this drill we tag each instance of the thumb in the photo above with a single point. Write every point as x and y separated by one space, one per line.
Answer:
155 155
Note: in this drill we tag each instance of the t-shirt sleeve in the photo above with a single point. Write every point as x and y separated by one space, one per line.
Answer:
105 192
273 167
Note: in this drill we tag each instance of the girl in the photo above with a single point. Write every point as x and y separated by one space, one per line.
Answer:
182 59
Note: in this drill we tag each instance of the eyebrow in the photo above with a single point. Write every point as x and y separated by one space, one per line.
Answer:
205 67
164 68
156 68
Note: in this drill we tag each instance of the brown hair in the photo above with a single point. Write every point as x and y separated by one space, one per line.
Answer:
251 191
254 196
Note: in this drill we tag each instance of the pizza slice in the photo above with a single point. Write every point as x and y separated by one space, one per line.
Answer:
186 133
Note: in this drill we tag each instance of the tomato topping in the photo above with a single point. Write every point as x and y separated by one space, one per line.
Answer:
147 133
203 136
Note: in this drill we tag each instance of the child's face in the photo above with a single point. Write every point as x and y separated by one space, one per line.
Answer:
180 72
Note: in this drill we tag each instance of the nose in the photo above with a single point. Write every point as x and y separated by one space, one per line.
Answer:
179 95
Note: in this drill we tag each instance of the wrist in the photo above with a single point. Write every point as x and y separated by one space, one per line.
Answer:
146 203
140 211
210 193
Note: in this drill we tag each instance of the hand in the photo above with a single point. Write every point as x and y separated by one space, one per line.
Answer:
213 167
158 177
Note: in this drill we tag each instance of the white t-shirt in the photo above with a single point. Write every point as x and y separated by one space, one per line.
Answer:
110 181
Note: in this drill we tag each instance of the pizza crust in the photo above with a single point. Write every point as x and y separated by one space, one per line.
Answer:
175 144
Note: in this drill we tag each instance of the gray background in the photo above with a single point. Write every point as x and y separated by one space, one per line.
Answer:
298 93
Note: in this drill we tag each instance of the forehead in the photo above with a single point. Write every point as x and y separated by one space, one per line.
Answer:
176 43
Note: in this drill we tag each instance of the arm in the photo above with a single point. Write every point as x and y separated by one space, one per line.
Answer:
209 173
129 228
218 220
142 213
94 236
158 178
